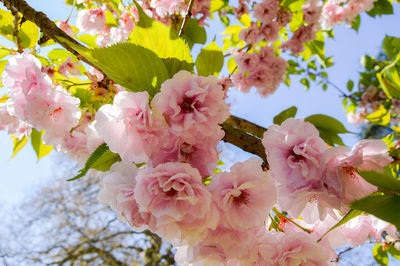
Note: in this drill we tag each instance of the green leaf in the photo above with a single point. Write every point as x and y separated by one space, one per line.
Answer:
394 252
29 34
216 5
385 181
101 159
285 114
163 41
381 7
18 144
194 33
111 21
6 24
350 215
59 56
355 24
305 82
37 144
380 255
328 128
391 46
132 66
210 60
380 116
88 39
350 85
385 207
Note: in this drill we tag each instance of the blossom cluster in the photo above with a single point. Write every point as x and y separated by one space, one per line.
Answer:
35 102
262 70
335 11
166 181
94 19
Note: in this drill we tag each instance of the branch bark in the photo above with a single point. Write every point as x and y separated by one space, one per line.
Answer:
238 132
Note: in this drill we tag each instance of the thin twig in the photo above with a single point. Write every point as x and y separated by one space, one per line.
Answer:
186 18
249 45
327 81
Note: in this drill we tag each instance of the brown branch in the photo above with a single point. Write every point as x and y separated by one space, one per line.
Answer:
246 126
16 38
187 18
47 26
244 141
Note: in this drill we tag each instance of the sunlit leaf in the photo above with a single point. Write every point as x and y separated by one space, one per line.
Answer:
41 149
380 255
210 60
285 114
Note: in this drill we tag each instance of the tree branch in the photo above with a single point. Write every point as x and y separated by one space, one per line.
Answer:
245 141
186 19
17 40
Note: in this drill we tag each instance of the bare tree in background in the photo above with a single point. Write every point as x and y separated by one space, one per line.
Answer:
64 224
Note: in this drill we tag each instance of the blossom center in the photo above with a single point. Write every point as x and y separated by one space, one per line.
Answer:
243 198
187 105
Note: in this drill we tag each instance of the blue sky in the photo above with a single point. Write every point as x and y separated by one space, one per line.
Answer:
21 174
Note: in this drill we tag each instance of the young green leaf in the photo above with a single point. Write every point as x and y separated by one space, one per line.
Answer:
163 41
101 159
194 33
285 114
385 181
380 116
18 144
328 128
380 255
41 149
350 215
383 206
132 66
210 60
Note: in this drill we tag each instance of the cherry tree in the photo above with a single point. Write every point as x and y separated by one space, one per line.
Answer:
120 92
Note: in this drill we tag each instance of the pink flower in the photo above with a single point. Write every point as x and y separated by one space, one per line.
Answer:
366 155
192 106
23 73
69 68
312 11
293 150
92 20
247 61
355 232
222 246
95 75
118 189
126 25
283 17
200 153
11 124
299 248
270 31
175 195
245 195
356 118
127 126
266 11
240 82
251 34
56 112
